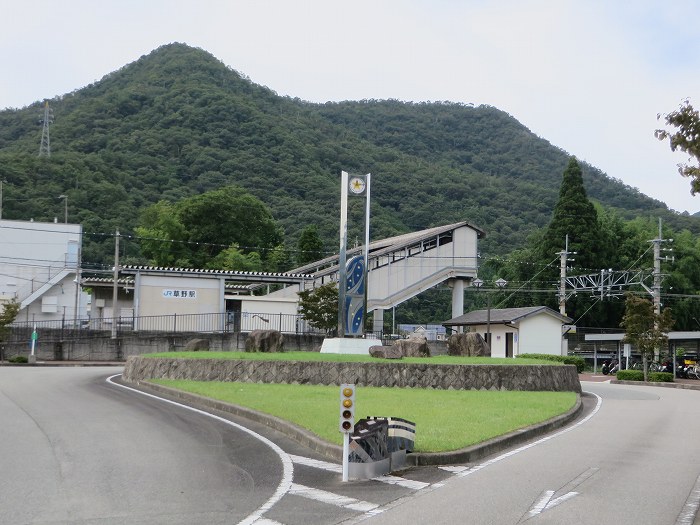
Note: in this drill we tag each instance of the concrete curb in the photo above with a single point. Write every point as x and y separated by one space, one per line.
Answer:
335 452
683 386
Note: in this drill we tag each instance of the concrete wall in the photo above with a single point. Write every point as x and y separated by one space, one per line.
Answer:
540 334
99 346
458 377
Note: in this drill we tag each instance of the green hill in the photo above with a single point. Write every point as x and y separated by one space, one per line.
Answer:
178 122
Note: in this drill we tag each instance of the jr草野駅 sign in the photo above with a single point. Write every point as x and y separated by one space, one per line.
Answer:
180 294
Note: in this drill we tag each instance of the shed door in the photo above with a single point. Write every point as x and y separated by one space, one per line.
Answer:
509 344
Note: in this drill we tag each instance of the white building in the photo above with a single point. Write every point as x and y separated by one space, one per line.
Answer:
515 331
185 299
39 266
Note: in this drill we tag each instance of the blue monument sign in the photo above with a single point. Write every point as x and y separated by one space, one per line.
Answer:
351 295
355 296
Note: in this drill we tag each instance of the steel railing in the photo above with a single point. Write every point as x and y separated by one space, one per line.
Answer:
203 323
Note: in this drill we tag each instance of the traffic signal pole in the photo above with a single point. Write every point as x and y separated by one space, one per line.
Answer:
347 422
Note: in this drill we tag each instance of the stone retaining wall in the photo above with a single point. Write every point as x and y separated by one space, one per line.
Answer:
562 378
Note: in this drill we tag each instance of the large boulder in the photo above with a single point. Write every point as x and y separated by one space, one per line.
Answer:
469 344
264 341
385 352
415 346
197 344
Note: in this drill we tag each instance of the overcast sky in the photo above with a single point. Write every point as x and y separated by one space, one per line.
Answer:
589 76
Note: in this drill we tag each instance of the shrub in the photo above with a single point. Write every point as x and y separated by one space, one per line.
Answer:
638 375
564 359
630 375
661 377
18 359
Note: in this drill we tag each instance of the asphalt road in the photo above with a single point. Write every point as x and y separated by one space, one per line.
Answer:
635 461
79 450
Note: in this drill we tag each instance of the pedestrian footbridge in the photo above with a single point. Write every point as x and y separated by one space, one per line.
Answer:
404 266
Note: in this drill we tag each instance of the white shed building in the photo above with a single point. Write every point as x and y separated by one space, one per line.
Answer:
515 331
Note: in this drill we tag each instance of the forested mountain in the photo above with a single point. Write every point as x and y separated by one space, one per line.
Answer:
178 122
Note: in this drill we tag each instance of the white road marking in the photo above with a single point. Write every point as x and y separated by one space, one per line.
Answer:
402 482
287 466
546 502
560 499
265 521
454 469
690 509
540 504
316 463
331 498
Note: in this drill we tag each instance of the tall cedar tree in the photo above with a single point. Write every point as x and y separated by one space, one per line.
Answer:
576 216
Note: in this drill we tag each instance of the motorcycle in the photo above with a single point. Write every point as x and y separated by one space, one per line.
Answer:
610 367
614 368
666 366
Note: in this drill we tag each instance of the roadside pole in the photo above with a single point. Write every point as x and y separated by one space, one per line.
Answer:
32 355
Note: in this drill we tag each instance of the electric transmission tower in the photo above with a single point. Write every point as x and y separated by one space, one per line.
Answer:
46 120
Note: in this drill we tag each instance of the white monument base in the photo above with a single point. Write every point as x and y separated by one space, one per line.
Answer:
348 345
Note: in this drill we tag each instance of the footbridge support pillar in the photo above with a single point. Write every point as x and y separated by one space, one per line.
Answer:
457 297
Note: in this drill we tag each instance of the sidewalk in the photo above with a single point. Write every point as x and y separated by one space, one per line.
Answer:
596 378
691 384
66 363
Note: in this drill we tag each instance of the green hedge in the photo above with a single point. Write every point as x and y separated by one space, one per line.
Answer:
564 359
630 375
638 375
661 377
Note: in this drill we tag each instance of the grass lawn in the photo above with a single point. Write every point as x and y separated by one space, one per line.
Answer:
317 356
445 419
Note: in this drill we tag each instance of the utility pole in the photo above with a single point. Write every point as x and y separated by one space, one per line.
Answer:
563 259
65 208
76 309
115 287
656 288
45 147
